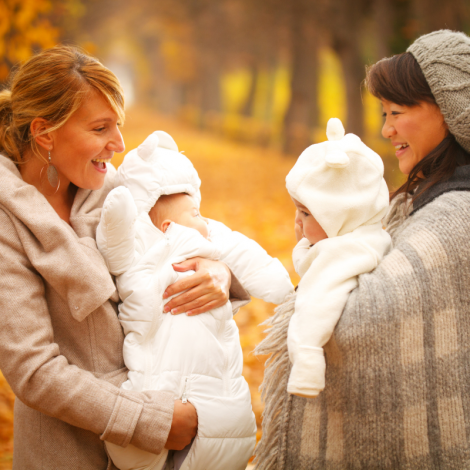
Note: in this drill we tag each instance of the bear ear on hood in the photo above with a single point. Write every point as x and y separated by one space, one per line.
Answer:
166 141
335 156
334 130
146 148
158 139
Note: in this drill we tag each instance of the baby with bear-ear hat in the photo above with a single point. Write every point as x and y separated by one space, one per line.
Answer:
149 222
341 197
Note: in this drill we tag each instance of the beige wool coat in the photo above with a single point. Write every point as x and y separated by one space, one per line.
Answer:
60 338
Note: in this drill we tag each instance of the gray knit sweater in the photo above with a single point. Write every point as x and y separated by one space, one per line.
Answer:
397 390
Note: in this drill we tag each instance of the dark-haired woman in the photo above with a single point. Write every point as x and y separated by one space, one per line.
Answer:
397 389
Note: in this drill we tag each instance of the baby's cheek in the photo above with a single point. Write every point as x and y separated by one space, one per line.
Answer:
204 231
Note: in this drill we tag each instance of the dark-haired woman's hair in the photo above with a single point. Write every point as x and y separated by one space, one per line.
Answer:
399 79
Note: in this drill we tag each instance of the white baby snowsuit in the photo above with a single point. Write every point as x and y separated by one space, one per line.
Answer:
341 183
197 358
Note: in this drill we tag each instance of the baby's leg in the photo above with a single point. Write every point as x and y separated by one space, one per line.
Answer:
180 455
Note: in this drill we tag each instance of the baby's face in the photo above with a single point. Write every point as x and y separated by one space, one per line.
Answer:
186 213
181 209
307 224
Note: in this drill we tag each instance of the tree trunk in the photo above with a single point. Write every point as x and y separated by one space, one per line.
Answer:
247 109
346 31
437 14
209 92
384 18
354 72
210 86
302 113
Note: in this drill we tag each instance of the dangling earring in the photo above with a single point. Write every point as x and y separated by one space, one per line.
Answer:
52 176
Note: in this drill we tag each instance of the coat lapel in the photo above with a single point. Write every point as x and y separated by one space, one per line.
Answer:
67 259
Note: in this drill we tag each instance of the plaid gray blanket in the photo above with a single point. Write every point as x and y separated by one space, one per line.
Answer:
397 390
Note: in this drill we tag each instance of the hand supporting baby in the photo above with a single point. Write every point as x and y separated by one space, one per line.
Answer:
206 289
183 427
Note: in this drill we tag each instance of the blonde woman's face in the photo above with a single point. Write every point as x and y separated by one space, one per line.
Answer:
87 141
413 130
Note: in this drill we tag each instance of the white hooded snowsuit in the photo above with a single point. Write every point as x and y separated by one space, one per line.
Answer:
197 358
341 183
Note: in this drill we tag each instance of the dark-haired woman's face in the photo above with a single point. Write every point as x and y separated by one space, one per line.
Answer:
413 130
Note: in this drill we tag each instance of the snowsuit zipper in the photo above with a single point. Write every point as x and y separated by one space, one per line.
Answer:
184 396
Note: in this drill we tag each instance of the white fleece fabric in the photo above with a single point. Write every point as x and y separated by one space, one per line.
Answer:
341 183
198 358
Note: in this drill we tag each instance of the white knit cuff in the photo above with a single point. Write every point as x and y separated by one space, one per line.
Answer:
299 253
307 377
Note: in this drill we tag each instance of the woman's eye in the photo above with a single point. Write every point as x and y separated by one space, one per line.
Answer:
100 129
393 113
306 214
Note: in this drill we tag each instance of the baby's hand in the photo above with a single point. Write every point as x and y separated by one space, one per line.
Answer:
299 233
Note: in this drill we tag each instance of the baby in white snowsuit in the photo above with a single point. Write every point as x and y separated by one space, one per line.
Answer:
341 198
150 221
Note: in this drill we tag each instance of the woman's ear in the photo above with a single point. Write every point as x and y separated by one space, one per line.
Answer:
38 127
165 224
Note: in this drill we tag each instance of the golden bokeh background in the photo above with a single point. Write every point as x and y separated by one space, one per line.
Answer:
243 87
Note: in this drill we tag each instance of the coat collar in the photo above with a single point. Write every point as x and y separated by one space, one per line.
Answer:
65 257
459 181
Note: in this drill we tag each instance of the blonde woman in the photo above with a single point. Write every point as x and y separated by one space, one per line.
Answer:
61 341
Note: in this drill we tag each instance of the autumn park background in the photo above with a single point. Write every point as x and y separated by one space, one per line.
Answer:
243 87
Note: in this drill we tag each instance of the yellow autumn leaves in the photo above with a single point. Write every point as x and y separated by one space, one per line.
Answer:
24 27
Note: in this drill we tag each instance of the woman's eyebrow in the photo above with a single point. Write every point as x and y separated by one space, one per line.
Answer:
101 120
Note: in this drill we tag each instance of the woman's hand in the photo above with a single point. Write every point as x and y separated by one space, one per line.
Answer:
206 289
183 427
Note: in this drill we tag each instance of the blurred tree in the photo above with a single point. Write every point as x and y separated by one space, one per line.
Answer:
180 51
431 15
302 114
384 18
347 21
25 26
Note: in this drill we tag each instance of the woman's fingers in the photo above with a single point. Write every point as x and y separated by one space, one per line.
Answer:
200 277
204 308
196 297
207 288
191 263
198 302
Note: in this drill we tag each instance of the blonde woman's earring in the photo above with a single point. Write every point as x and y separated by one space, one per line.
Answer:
49 172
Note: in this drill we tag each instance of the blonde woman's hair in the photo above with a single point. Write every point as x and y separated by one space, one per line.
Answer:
51 85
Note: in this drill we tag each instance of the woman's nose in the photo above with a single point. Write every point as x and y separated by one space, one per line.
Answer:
116 144
298 220
388 130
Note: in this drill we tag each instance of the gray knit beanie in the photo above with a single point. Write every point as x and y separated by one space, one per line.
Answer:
444 58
